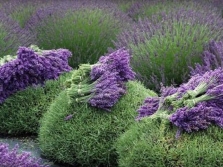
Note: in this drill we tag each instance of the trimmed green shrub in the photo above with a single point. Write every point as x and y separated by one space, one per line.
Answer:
151 143
20 113
88 137
87 32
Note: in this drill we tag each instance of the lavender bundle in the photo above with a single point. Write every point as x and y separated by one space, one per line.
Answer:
101 84
12 158
32 67
193 106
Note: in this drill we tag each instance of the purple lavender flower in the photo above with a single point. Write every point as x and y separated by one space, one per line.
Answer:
102 84
117 61
149 107
190 119
212 58
30 69
107 91
12 158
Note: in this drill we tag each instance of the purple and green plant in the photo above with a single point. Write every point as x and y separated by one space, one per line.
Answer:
15 158
163 51
193 106
86 29
212 58
32 67
101 84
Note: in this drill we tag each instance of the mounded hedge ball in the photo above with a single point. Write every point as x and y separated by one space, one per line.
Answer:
87 138
20 113
154 144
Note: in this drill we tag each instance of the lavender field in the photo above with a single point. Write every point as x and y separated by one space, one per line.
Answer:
111 83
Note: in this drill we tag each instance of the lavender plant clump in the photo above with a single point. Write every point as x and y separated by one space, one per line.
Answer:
12 158
31 68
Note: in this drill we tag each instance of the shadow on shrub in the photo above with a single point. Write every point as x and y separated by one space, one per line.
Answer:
88 137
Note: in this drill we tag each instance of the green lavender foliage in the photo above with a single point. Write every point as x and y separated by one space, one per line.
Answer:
147 9
23 12
168 53
7 44
87 33
88 137
151 143
21 112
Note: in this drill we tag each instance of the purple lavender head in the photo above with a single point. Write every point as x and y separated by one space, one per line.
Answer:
149 107
117 61
12 158
107 91
192 119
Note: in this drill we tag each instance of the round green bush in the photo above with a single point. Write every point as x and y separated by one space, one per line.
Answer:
21 112
87 32
151 143
88 137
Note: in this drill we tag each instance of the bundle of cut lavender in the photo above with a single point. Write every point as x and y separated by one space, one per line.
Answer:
103 83
191 107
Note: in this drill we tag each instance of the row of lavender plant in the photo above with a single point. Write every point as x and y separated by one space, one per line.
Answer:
194 105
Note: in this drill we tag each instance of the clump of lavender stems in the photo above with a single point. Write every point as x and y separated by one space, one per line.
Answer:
192 106
101 84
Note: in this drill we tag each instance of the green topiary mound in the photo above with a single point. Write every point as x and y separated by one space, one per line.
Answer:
20 113
148 144
88 137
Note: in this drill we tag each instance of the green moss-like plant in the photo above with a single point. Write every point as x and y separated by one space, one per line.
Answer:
21 112
88 137
151 143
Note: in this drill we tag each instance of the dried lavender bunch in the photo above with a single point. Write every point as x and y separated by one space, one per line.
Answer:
101 84
15 158
212 58
32 68
194 105
159 48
